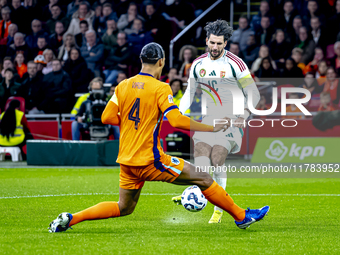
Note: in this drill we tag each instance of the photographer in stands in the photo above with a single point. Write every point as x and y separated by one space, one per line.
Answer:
86 118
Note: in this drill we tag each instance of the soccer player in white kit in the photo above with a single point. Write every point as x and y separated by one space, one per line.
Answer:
220 71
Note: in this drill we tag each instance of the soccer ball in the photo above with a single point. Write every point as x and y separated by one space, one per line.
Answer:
193 200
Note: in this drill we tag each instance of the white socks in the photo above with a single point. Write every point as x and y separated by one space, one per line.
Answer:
221 178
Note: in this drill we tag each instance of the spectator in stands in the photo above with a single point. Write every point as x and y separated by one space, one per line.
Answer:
310 83
40 61
41 46
47 10
157 24
56 39
126 20
19 45
80 37
332 85
5 22
111 92
297 56
20 65
49 57
138 37
291 70
326 104
264 11
285 20
241 35
263 53
181 12
82 115
313 65
121 77
280 49
319 34
306 44
187 55
335 62
171 75
17 14
37 31
109 38
6 63
333 24
99 23
14 130
292 107
177 88
64 50
73 7
57 15
83 13
294 34
8 87
32 88
235 49
117 59
265 32
251 52
122 7
266 69
93 52
196 106
262 103
313 11
77 69
12 29
321 72
58 90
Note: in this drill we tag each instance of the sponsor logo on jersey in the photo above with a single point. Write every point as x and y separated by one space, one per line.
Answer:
222 74
212 73
170 98
138 85
175 161
203 72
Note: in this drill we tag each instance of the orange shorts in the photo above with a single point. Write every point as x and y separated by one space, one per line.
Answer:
167 169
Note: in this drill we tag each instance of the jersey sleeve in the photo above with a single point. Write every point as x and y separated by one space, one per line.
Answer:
246 81
165 100
189 93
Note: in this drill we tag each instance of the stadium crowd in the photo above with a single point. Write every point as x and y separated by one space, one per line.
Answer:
51 50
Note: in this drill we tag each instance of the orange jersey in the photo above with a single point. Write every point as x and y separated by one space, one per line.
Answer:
142 101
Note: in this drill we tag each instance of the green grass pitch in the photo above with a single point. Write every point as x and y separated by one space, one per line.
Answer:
31 198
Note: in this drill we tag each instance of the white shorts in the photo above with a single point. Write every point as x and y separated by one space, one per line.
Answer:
231 139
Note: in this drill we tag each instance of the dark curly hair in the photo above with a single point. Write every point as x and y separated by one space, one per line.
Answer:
218 28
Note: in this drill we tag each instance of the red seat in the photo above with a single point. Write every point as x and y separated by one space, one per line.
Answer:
20 99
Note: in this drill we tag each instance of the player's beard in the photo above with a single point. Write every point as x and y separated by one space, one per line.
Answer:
215 54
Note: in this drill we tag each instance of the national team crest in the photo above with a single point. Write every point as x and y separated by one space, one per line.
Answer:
202 72
175 161
222 74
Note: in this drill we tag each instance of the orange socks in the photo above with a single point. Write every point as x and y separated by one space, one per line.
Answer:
219 197
102 210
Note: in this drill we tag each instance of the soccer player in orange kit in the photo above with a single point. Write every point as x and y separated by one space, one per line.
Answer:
138 106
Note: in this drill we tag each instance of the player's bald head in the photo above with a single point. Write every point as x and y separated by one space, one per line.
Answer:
151 53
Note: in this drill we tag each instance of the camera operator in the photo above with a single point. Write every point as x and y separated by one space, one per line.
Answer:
85 118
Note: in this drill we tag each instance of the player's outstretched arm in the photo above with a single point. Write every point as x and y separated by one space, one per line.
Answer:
178 120
110 114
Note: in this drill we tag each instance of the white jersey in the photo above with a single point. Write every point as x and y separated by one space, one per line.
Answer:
216 78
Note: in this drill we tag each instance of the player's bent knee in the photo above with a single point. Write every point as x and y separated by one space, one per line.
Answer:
126 209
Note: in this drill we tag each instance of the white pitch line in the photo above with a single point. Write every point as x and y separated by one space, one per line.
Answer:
173 194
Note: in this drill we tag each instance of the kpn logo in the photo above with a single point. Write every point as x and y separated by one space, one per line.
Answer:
278 151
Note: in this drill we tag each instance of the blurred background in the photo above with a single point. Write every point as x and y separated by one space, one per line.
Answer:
61 61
